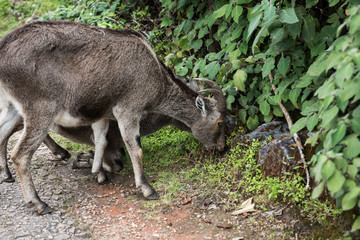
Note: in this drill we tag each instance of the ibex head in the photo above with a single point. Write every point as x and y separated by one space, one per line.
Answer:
213 117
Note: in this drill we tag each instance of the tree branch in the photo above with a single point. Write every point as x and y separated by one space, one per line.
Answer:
295 136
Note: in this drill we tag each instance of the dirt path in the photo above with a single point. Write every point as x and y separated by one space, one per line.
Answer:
85 210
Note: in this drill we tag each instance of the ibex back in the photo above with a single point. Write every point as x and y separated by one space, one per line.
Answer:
73 74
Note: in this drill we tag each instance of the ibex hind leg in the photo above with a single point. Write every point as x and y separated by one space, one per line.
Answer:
9 120
130 133
35 130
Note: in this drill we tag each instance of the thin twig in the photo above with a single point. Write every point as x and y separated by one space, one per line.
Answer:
295 136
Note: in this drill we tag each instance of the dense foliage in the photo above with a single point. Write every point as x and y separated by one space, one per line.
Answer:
312 50
310 47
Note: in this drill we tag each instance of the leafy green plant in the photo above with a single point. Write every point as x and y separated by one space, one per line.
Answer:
238 43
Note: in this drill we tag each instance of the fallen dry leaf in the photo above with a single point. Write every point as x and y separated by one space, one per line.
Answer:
245 207
224 226
206 220
186 200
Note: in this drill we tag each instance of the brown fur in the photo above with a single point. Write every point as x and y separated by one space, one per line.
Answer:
74 74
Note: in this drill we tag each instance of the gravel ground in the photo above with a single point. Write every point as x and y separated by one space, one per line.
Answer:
85 210
17 221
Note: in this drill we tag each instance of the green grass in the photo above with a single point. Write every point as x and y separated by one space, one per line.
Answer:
14 15
69 145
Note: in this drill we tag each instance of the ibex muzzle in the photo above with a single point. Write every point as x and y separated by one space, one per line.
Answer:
73 74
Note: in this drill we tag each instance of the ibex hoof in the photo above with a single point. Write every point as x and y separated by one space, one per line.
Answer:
45 210
102 179
153 196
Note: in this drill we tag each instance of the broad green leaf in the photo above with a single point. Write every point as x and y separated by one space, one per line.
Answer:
308 30
356 162
236 33
325 91
352 148
342 74
221 12
352 170
243 100
234 55
258 35
242 115
356 225
327 170
187 26
320 160
348 203
318 190
312 122
166 21
182 71
336 182
278 34
350 199
202 32
229 100
293 96
329 115
264 108
313 139
288 15
239 79
252 123
300 124
269 14
236 12
304 82
355 125
191 35
350 89
268 66
254 22
333 59
317 49
277 111
283 65
339 134
354 24
196 45
316 68
311 3
356 112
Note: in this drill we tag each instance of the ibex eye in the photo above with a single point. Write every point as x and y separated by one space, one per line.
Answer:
220 124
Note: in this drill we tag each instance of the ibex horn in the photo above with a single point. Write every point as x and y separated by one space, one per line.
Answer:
215 90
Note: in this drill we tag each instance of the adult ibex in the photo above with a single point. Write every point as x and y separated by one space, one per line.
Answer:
72 74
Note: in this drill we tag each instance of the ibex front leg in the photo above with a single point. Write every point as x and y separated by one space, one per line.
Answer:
100 129
130 133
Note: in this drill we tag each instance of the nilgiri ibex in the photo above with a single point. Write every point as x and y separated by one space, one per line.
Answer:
84 134
113 152
72 74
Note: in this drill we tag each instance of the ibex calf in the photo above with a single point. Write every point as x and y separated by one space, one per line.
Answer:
73 74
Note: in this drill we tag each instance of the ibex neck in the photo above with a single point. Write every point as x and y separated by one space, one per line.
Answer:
179 103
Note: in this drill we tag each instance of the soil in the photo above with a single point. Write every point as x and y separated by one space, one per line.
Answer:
86 210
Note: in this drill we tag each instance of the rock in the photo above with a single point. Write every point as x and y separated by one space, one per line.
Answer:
280 154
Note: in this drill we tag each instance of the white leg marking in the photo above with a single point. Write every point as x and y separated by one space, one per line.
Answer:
100 129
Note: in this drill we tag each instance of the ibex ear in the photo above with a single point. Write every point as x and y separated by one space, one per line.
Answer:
200 104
